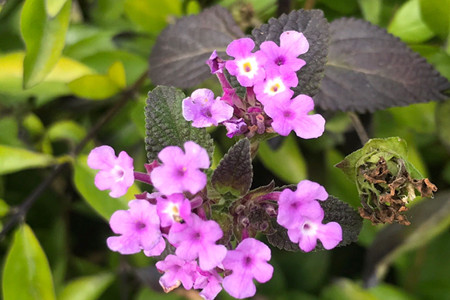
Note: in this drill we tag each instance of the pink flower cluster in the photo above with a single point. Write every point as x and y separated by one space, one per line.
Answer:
268 75
174 215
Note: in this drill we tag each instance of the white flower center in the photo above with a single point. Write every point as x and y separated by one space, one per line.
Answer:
248 67
173 211
309 228
118 173
274 86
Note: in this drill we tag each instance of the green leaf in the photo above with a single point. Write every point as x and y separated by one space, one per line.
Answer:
86 288
44 37
431 217
53 7
339 185
372 150
94 87
286 162
166 126
117 74
443 122
436 14
147 294
66 130
14 159
100 201
144 13
55 84
345 289
27 275
371 10
408 25
134 64
234 174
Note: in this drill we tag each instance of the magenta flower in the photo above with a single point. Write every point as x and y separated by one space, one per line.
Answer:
116 173
235 127
276 85
139 229
180 171
209 282
292 114
215 63
246 66
292 44
247 261
176 271
204 110
307 233
173 208
294 206
197 238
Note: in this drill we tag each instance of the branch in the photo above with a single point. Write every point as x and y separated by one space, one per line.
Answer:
360 130
20 213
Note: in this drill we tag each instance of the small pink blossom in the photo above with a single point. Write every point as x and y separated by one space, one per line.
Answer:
307 233
139 229
116 173
276 85
173 208
285 56
204 110
197 238
179 171
293 206
246 66
209 282
248 261
176 271
292 114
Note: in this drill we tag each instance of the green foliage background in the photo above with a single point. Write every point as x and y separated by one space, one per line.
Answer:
73 75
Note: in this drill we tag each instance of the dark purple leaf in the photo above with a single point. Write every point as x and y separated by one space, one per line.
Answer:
369 69
181 50
234 173
316 30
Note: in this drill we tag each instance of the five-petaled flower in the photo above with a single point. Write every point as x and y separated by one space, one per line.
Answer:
179 171
248 261
204 110
116 173
139 229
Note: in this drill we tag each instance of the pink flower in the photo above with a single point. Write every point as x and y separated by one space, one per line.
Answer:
197 238
116 173
139 229
292 44
292 114
173 208
209 282
276 86
247 261
204 110
215 63
176 271
247 66
179 171
293 206
311 229
235 127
